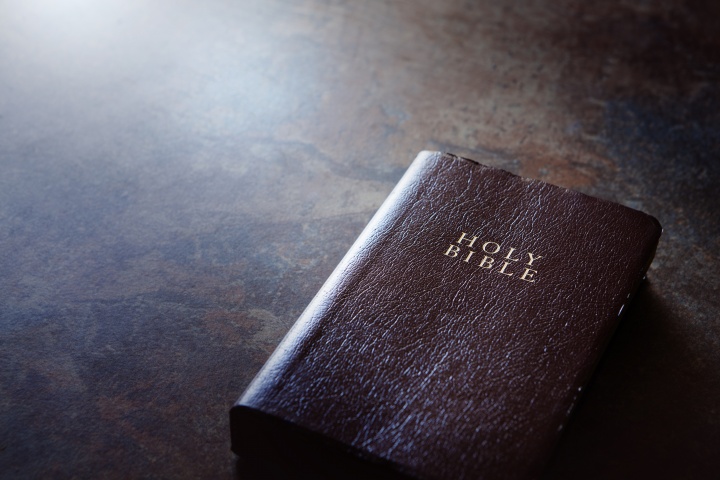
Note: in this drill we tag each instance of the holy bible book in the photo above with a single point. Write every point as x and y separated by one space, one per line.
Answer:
456 335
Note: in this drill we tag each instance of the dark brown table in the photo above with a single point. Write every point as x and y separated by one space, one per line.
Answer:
177 179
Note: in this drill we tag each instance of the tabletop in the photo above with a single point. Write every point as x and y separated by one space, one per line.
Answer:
177 180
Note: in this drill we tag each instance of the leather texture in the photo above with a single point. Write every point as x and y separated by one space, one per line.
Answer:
444 368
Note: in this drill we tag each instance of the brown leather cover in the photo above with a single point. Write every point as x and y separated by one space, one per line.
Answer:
454 338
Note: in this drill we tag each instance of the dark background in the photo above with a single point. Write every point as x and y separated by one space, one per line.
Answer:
177 179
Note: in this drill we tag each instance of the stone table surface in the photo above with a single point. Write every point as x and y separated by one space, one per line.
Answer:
178 178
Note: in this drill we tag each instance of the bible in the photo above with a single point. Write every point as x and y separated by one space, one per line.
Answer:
456 335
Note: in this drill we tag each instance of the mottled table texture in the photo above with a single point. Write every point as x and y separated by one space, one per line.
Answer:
177 179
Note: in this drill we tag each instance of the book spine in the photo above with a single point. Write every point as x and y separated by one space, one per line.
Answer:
299 338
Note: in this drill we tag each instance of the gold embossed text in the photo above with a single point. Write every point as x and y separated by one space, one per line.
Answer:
495 257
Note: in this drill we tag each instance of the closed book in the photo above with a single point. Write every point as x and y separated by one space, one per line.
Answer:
457 334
